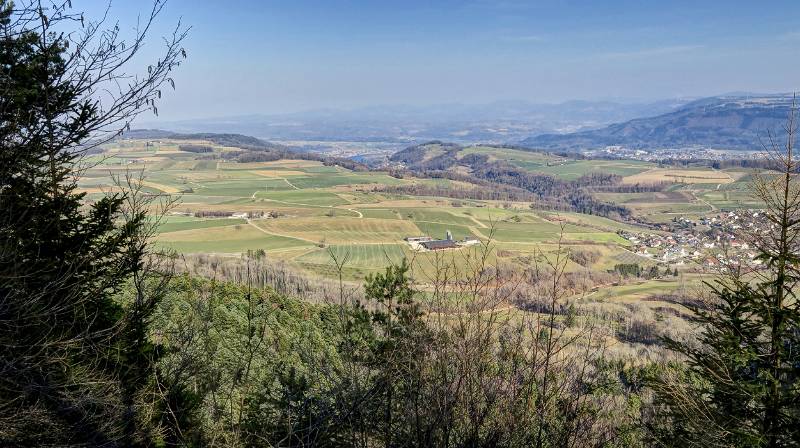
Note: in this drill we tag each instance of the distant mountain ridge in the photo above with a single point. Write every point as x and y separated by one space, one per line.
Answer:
498 122
738 122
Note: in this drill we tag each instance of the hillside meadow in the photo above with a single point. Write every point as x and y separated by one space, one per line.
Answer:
306 214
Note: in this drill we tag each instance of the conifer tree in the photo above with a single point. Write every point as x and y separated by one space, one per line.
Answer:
62 258
395 350
741 383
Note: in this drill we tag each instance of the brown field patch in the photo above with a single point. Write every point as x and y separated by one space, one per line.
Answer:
279 173
288 164
293 163
736 175
663 197
162 187
657 175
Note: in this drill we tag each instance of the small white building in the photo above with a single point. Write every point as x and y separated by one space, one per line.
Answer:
469 241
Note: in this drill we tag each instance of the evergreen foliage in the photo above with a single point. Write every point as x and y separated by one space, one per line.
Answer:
740 385
68 356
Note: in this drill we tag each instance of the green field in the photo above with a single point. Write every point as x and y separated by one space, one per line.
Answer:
367 256
435 216
305 210
438 230
379 213
573 169
559 166
230 239
175 224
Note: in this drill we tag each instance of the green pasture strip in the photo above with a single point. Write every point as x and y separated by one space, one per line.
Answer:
377 213
438 230
435 215
195 223
368 256
311 197
228 239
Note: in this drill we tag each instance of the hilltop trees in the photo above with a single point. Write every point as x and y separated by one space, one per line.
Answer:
501 180
62 336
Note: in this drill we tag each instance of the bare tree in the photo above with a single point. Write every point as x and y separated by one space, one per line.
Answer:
64 89
739 382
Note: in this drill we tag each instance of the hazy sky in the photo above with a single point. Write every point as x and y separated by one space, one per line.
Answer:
261 56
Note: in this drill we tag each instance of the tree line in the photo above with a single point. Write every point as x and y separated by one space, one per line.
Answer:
504 179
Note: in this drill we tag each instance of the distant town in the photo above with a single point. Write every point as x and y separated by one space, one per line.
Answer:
685 153
708 241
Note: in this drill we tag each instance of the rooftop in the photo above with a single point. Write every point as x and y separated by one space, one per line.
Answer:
439 244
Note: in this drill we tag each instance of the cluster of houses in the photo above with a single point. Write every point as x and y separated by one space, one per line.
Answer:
683 153
426 243
710 240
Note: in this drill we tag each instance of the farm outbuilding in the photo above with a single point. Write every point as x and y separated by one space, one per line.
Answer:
439 244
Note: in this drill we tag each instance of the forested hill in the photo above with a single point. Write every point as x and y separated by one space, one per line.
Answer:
729 122
482 166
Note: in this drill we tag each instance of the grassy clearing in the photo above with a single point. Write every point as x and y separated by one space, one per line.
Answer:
175 225
487 214
598 237
341 230
276 164
571 170
679 176
233 188
589 221
439 230
161 187
435 215
229 239
368 256
628 257
303 197
380 213
279 173
522 159
327 180
647 288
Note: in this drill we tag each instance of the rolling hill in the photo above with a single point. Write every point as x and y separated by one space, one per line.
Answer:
243 147
725 122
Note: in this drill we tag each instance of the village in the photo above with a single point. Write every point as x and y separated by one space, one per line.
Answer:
691 153
709 241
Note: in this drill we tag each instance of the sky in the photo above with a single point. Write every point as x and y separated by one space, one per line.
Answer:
271 57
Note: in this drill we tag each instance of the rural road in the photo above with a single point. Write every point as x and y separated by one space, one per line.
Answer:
360 215
278 234
711 206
